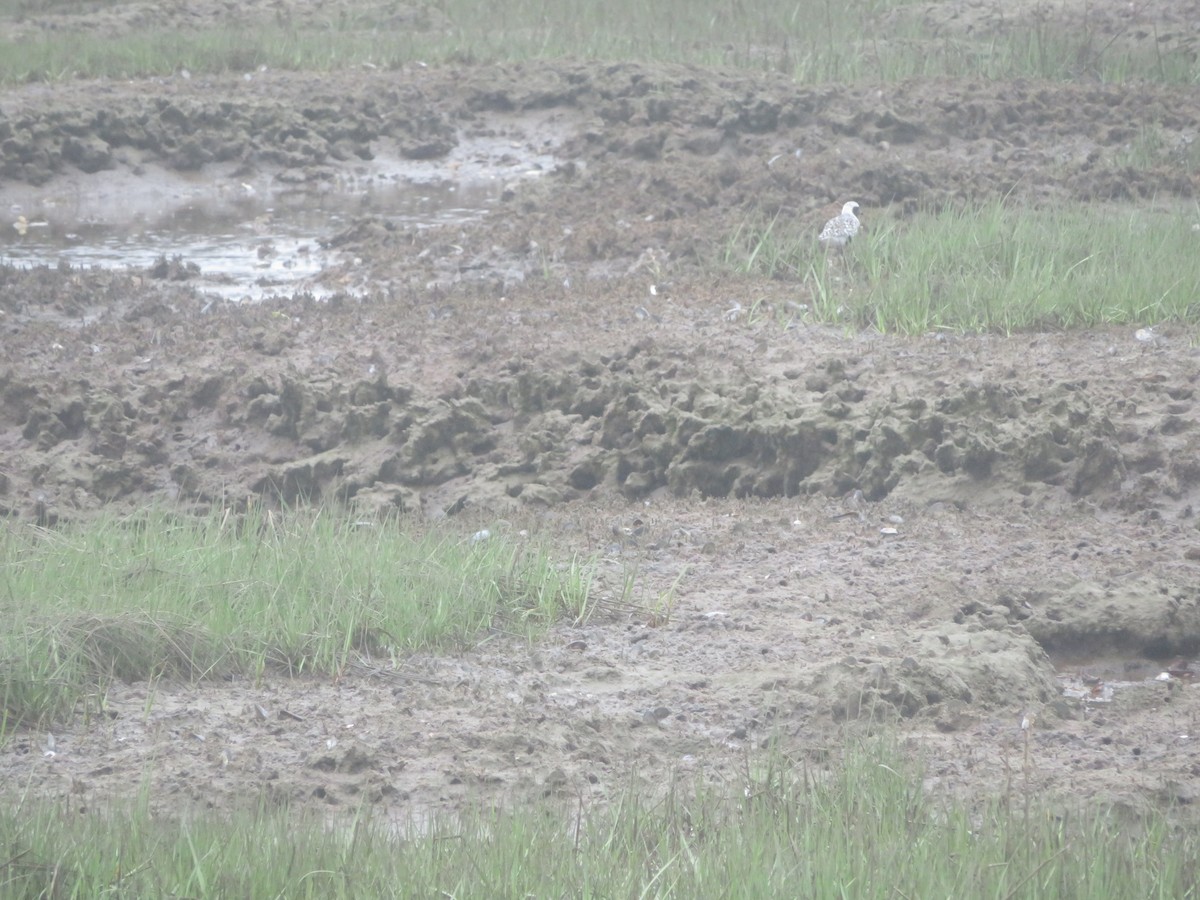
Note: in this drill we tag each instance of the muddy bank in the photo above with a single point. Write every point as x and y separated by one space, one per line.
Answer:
238 402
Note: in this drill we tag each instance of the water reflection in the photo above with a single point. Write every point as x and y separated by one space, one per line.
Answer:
248 241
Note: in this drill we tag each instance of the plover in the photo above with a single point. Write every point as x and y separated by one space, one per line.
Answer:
839 230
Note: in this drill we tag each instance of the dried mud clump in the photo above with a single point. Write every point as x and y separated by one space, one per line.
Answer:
945 671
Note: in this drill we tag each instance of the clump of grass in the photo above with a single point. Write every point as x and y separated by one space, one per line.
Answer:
1153 148
157 595
1006 268
860 828
767 249
996 267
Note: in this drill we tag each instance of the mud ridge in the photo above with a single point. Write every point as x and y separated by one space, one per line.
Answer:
286 422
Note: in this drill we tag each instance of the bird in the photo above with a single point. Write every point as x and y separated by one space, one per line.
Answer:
841 229
853 504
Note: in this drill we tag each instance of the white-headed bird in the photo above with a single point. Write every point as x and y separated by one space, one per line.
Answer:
841 229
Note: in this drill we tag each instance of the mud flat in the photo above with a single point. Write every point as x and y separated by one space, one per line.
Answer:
567 360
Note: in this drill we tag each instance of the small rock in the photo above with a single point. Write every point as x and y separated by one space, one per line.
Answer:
656 715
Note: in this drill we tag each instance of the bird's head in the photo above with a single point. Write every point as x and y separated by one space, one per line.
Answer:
850 209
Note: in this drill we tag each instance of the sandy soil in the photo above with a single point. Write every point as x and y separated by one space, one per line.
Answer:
826 527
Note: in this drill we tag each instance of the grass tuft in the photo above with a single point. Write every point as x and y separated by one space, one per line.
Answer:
998 267
861 827
160 596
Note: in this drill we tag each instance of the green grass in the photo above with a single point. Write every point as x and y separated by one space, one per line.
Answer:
861 828
997 267
160 596
810 40
1154 148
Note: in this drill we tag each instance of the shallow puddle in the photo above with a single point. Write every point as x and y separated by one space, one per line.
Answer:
1096 678
248 246
253 238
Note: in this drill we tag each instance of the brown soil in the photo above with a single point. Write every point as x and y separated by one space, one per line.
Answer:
566 364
